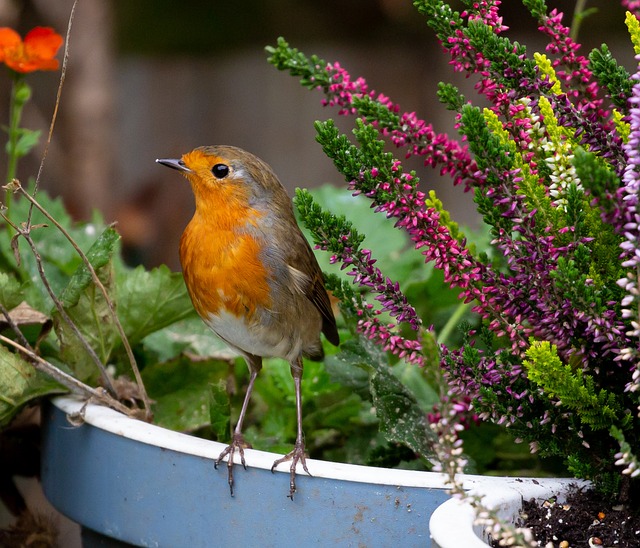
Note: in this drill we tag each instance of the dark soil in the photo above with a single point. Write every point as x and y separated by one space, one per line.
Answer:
581 519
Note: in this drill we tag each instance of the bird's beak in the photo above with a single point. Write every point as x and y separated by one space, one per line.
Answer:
173 163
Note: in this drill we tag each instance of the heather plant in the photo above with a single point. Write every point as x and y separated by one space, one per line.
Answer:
553 164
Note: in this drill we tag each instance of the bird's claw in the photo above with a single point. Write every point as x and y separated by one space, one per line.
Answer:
238 444
297 455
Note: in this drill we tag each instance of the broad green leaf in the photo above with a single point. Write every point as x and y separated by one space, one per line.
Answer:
349 367
88 309
220 411
416 380
337 414
98 255
188 336
401 418
93 319
276 431
11 291
433 300
315 379
182 390
20 383
59 258
390 246
150 301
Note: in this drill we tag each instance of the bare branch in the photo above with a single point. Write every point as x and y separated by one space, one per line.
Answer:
15 327
73 384
63 74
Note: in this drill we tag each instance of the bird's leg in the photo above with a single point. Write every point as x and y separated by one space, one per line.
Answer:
297 454
238 442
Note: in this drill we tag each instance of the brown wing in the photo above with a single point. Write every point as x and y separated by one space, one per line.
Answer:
307 279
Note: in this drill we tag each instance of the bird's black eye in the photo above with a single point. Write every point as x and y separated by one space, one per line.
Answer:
220 171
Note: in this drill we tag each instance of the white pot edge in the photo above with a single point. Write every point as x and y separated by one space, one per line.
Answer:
452 523
114 422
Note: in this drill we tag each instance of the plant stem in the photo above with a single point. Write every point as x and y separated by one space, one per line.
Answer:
73 384
15 115
54 116
578 16
452 322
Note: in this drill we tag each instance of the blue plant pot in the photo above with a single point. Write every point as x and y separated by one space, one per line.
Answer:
147 486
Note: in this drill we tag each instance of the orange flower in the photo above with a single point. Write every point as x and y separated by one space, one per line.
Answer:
36 52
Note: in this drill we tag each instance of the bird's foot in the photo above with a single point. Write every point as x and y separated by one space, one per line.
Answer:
238 444
296 456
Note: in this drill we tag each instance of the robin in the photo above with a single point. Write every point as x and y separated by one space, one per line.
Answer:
251 274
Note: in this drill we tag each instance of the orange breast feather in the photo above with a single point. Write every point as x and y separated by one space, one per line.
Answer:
222 270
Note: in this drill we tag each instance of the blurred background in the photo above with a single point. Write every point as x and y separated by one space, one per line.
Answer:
155 78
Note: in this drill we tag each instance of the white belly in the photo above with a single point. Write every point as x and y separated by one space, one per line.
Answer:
253 338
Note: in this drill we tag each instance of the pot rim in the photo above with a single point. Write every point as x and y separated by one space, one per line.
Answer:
116 423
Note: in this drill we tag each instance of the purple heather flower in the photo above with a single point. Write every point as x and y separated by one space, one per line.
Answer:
630 220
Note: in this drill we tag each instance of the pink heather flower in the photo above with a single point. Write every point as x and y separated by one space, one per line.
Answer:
572 69
342 89
412 133
385 336
632 5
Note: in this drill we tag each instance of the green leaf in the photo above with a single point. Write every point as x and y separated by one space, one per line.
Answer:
20 383
11 291
401 418
416 378
349 367
182 390
92 317
188 336
433 300
98 255
27 140
390 246
220 411
88 309
59 258
337 414
149 301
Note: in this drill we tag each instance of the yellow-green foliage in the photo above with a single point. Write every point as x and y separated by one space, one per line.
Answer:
495 126
445 217
530 186
623 128
546 69
634 31
575 390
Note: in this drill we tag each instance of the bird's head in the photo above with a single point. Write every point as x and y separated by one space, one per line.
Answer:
221 170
